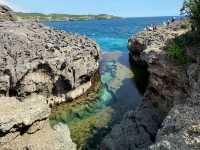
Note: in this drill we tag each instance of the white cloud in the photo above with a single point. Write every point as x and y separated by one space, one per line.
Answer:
12 5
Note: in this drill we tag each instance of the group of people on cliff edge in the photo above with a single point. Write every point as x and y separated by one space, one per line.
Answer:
154 27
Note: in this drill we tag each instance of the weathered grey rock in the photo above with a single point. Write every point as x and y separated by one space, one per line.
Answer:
6 14
136 131
57 138
180 129
39 66
15 114
37 59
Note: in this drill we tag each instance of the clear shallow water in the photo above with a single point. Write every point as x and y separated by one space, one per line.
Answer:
112 35
91 117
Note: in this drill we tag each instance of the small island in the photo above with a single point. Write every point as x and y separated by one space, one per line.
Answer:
62 17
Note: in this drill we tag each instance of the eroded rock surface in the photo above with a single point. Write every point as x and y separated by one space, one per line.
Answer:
181 127
35 59
136 130
39 67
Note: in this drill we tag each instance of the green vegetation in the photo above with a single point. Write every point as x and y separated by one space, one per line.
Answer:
62 17
176 51
177 47
191 8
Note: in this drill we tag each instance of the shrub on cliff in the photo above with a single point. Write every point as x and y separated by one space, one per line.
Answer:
175 50
191 8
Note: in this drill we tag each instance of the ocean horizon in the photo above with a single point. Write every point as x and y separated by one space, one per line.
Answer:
113 34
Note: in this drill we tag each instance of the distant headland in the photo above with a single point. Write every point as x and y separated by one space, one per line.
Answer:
62 17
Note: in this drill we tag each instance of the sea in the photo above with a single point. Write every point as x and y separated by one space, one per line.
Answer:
111 35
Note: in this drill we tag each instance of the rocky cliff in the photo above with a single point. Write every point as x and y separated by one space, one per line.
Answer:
169 116
40 67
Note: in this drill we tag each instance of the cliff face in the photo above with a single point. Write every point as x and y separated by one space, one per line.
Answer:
169 116
39 60
40 67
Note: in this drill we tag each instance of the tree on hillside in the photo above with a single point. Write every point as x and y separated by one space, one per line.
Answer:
191 8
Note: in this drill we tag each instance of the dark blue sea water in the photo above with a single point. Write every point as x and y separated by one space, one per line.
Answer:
112 35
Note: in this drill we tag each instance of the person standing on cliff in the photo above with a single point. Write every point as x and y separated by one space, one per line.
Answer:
168 22
173 19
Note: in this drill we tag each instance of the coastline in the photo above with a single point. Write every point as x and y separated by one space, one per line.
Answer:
62 17
57 88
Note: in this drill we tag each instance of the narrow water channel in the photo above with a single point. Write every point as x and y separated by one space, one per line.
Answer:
91 117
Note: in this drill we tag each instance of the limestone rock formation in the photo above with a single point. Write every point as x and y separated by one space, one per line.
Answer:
181 127
39 67
168 80
57 138
36 59
173 93
136 130
6 14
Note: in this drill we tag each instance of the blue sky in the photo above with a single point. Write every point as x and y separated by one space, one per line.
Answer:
123 8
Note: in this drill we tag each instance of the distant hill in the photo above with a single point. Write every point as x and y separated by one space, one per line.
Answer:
62 17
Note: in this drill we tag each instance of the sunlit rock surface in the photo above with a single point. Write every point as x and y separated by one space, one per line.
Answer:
36 59
40 67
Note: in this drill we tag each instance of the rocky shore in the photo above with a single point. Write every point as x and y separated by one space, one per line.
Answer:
169 116
40 67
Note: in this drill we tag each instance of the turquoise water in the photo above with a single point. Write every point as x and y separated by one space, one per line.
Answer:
91 118
112 35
